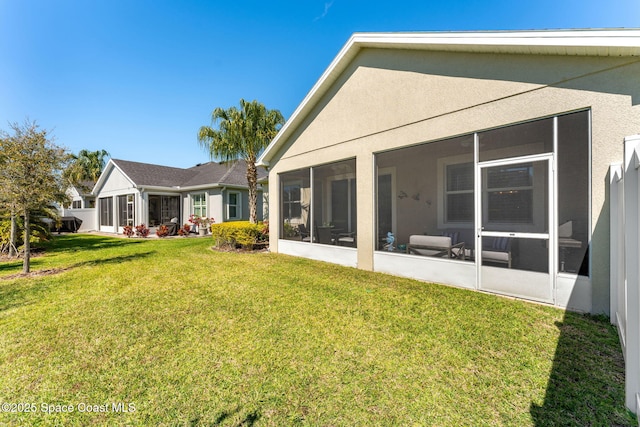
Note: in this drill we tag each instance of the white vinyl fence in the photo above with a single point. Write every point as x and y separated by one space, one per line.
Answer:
624 199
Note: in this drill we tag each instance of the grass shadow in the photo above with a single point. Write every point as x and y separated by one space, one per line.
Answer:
77 242
69 243
24 292
112 260
11 265
586 384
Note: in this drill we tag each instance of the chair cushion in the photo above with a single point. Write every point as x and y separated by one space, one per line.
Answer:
454 235
495 256
500 244
435 241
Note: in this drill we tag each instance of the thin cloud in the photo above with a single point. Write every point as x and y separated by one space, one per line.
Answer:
327 6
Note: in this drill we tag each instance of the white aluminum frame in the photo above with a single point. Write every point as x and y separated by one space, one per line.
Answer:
550 236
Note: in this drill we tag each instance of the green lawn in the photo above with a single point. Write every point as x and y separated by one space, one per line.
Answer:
182 335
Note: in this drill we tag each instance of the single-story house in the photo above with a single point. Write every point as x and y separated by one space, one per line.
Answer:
474 159
133 193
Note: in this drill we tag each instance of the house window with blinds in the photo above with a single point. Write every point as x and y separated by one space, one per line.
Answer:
459 193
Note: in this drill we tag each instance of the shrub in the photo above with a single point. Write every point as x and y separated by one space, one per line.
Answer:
128 231
162 231
201 221
142 230
239 234
185 230
290 230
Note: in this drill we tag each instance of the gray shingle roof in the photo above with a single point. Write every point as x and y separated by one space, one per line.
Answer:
207 173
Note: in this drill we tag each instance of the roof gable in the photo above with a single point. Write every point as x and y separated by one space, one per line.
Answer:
623 42
146 174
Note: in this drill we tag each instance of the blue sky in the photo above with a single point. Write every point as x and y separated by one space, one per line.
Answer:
138 78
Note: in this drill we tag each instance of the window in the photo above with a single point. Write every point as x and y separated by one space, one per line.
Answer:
233 205
295 204
432 190
573 193
125 210
334 203
291 205
76 204
459 193
162 209
199 204
324 212
521 139
106 211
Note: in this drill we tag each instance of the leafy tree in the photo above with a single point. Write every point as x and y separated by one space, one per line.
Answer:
85 166
242 134
30 174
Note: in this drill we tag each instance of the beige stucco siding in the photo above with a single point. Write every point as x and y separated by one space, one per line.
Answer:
388 99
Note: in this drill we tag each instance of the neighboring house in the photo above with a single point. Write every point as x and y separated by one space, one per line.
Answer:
81 197
81 206
485 154
133 193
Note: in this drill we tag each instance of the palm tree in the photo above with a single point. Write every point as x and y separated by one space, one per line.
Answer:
242 134
86 166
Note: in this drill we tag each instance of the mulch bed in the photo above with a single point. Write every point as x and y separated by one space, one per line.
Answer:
256 249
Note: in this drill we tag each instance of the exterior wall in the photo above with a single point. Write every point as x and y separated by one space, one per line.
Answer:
388 99
216 204
264 200
116 184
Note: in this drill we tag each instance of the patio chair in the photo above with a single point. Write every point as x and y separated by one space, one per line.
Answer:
172 228
497 250
304 233
347 239
435 246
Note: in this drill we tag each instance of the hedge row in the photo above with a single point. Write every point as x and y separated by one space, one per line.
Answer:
240 234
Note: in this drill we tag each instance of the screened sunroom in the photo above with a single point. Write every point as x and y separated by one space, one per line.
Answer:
507 208
318 204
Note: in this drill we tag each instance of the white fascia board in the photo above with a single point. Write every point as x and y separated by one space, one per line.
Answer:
584 39
212 186
606 42
191 188
148 188
101 178
325 80
200 187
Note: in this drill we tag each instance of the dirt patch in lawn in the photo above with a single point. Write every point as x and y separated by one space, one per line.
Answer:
37 273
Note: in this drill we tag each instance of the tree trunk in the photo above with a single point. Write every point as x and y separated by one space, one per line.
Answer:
12 235
252 181
26 264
